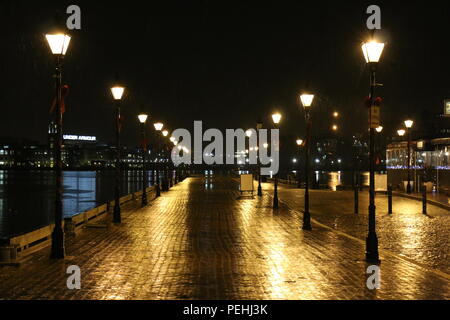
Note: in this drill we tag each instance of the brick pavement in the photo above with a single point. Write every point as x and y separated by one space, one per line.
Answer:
425 239
199 241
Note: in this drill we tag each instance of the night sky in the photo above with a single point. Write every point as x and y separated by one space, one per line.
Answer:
227 63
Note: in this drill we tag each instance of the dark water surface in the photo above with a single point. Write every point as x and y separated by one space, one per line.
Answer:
27 197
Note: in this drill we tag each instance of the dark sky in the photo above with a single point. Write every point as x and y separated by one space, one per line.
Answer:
224 62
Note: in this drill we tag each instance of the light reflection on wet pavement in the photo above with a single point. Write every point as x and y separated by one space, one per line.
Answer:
201 241
407 232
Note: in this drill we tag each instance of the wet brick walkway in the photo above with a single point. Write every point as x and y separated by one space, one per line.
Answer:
200 241
407 232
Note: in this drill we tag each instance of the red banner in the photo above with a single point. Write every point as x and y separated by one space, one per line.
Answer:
64 93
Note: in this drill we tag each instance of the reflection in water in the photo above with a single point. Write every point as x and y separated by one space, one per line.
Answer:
27 197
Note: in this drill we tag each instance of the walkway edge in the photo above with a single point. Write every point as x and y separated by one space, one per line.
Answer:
430 201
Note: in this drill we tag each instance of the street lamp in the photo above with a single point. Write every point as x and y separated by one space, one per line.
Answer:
169 175
372 52
158 127
299 144
401 132
408 125
143 119
276 118
249 133
259 126
58 43
117 92
307 100
379 129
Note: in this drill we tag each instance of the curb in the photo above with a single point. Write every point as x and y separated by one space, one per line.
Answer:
429 201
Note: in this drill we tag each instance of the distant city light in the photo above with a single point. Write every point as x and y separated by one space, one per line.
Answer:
79 138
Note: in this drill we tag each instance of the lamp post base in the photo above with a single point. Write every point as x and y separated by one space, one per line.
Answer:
144 198
275 202
57 250
408 188
116 214
165 185
372 248
306 222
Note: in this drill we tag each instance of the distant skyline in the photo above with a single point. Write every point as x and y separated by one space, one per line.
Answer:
226 63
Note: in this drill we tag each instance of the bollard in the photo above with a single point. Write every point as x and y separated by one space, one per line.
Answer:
389 191
424 199
356 198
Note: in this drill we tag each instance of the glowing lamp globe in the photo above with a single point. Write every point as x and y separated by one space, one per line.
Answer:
58 43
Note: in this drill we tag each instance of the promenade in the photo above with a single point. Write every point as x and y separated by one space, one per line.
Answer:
200 240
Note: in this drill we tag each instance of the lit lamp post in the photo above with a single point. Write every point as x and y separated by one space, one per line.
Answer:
143 119
172 139
307 100
408 125
258 127
166 180
117 93
276 118
372 52
401 133
58 44
158 127
248 133
299 144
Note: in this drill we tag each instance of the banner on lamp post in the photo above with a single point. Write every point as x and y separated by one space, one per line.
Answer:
374 116
374 112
